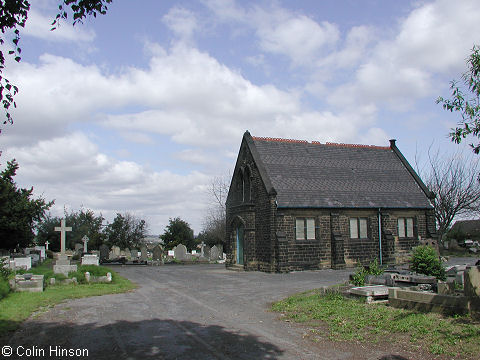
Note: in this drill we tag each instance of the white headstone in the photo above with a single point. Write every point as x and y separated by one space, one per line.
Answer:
116 251
90 260
46 244
180 252
171 253
214 253
23 263
85 240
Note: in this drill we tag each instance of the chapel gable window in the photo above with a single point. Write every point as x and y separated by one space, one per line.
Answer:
305 228
358 228
405 227
247 185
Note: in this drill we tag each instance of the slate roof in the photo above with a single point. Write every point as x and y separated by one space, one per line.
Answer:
469 227
318 175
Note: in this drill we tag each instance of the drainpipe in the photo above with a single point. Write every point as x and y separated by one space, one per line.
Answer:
380 234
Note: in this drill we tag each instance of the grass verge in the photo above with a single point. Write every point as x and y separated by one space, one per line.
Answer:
18 306
339 318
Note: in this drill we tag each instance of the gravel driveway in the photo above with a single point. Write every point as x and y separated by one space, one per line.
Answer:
186 312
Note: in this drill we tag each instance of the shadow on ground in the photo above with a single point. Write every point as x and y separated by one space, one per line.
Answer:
148 339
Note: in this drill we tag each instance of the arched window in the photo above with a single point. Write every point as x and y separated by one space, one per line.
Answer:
247 185
241 185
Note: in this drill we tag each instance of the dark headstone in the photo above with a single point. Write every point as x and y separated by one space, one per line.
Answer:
104 251
157 253
134 254
143 251
206 251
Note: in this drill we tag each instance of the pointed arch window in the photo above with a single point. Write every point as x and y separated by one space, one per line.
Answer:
247 185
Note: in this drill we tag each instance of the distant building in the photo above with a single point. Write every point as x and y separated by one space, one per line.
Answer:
469 229
295 205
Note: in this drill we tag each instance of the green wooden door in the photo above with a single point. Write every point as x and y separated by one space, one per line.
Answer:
240 245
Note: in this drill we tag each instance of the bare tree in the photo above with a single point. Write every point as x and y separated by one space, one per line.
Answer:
214 220
454 180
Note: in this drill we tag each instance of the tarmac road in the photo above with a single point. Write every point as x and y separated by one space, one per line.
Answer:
186 312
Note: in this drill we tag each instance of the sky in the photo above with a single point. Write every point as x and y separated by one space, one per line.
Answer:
138 110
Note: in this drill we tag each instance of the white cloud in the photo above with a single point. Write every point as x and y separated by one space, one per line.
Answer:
189 96
298 37
280 31
73 171
182 22
434 39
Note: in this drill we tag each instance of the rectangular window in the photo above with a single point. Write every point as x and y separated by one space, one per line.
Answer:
299 229
358 228
401 227
310 229
405 227
354 228
305 229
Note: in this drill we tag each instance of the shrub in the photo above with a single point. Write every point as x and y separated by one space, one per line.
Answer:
4 271
360 275
4 287
426 261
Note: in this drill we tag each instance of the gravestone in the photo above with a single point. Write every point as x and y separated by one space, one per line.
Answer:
111 255
90 260
206 252
116 251
42 252
23 263
157 253
46 244
122 253
143 250
471 283
85 240
35 258
62 265
104 252
78 247
180 252
171 253
214 253
128 254
134 254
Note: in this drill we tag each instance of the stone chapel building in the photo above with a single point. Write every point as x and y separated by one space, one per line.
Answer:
296 205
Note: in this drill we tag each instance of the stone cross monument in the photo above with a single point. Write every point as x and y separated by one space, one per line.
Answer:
46 244
85 240
63 229
62 265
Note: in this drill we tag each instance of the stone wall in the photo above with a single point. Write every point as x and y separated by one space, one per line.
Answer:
249 204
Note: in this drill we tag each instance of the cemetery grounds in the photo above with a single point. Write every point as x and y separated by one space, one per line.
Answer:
206 311
18 306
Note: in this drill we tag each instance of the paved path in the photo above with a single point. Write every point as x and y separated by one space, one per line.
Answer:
187 312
